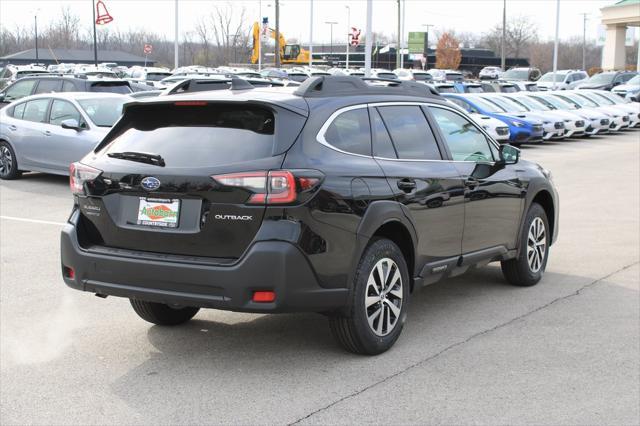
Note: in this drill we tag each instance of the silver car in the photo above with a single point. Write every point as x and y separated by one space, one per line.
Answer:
48 132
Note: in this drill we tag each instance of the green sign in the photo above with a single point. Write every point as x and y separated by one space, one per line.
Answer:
416 42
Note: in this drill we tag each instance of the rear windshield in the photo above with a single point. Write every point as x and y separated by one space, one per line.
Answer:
111 87
454 77
387 75
198 136
422 77
474 89
157 76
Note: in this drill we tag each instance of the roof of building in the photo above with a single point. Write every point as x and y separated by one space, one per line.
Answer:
74 55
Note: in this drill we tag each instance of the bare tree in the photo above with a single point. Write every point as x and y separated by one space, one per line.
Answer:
520 32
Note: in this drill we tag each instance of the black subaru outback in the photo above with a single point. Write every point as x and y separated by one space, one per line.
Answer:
340 197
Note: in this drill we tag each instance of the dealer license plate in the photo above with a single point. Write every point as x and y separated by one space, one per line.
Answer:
158 212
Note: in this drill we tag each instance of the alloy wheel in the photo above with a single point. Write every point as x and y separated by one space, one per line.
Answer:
536 244
6 161
383 297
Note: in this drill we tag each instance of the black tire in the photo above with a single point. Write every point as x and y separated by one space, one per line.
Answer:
352 331
518 271
8 162
161 314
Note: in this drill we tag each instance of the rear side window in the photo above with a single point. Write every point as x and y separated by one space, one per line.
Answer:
68 86
19 90
48 86
18 111
410 133
198 136
350 132
115 87
36 110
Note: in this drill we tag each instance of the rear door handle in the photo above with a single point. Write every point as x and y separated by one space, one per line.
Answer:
12 127
407 185
47 133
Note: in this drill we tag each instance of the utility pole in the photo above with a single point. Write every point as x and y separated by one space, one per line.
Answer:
398 38
95 37
503 58
176 42
368 41
404 10
555 44
584 40
311 35
277 55
348 33
35 20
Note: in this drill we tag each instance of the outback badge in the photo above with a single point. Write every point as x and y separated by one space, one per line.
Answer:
150 183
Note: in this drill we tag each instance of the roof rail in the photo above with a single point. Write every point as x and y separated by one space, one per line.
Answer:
333 85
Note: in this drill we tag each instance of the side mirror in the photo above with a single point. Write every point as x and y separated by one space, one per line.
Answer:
2 97
71 123
509 154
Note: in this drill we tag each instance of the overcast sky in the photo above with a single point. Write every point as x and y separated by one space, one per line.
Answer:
462 15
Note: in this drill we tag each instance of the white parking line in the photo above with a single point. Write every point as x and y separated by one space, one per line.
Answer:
20 219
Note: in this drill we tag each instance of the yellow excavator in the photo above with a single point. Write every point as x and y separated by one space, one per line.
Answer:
289 53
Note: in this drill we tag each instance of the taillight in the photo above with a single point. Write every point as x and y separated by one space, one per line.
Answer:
79 174
270 187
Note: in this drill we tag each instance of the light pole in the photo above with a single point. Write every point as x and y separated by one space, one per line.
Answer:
95 36
175 42
367 41
311 35
503 58
348 33
331 23
555 44
35 21
277 56
426 46
584 41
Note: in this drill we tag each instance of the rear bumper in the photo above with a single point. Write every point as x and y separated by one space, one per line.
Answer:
277 266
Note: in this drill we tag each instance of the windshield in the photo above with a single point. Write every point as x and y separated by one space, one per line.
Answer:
516 75
507 104
157 76
487 106
584 101
104 112
531 104
555 102
454 76
446 89
635 81
599 99
549 77
616 99
604 78
474 89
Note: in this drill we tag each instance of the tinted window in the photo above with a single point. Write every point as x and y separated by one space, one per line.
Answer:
63 110
350 132
36 110
49 85
410 132
198 136
465 141
115 87
382 146
18 111
627 77
68 86
19 90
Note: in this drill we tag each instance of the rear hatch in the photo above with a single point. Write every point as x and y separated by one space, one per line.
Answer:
159 189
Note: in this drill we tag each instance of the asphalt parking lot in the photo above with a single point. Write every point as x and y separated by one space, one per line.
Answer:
474 350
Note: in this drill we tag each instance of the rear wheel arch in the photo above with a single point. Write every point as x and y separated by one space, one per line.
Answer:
397 232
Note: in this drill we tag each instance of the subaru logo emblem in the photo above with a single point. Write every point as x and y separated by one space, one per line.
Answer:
150 183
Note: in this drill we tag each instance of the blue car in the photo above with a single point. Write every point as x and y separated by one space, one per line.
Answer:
522 130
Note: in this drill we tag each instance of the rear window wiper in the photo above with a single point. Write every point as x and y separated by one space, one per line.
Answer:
141 157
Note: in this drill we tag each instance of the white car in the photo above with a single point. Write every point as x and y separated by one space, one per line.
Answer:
492 73
565 79
624 103
630 90
574 125
445 75
413 74
596 122
604 101
496 128
619 119
148 75
525 86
